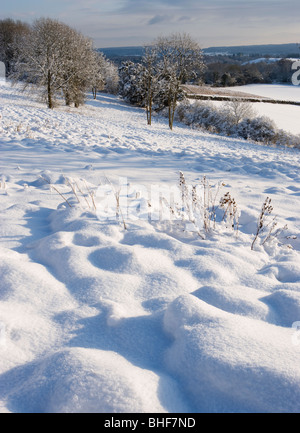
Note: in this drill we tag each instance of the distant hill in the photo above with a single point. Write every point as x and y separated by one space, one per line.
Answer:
275 50
110 53
280 50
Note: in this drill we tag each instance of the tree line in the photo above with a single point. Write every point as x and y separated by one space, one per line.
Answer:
56 58
64 64
229 72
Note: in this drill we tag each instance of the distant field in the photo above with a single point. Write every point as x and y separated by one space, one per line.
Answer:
215 92
272 93
285 116
284 92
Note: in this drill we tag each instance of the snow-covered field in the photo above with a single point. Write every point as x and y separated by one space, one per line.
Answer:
286 117
281 92
155 317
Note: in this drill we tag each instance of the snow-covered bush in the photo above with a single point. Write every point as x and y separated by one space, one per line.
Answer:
239 109
204 115
261 129
258 129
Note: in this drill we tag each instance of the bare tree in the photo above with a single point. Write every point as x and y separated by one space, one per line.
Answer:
239 109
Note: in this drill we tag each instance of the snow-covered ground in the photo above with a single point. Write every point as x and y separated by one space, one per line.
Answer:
154 317
286 117
281 92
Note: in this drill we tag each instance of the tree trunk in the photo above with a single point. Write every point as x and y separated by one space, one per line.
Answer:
170 117
171 104
173 111
149 110
67 99
49 91
150 99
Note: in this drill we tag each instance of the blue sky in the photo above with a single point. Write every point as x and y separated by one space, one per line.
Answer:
136 22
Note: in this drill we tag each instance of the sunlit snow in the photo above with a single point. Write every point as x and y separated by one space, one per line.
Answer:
147 316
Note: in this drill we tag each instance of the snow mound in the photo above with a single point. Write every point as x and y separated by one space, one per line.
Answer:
221 359
286 303
96 317
235 299
88 381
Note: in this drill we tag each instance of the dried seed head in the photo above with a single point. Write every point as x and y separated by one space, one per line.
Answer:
182 179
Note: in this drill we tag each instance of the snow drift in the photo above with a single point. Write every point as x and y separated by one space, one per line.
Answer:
152 318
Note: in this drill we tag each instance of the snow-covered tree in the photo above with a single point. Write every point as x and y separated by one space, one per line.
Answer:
104 75
41 57
156 82
97 73
179 60
12 34
78 67
140 82
111 76
132 87
150 80
58 59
